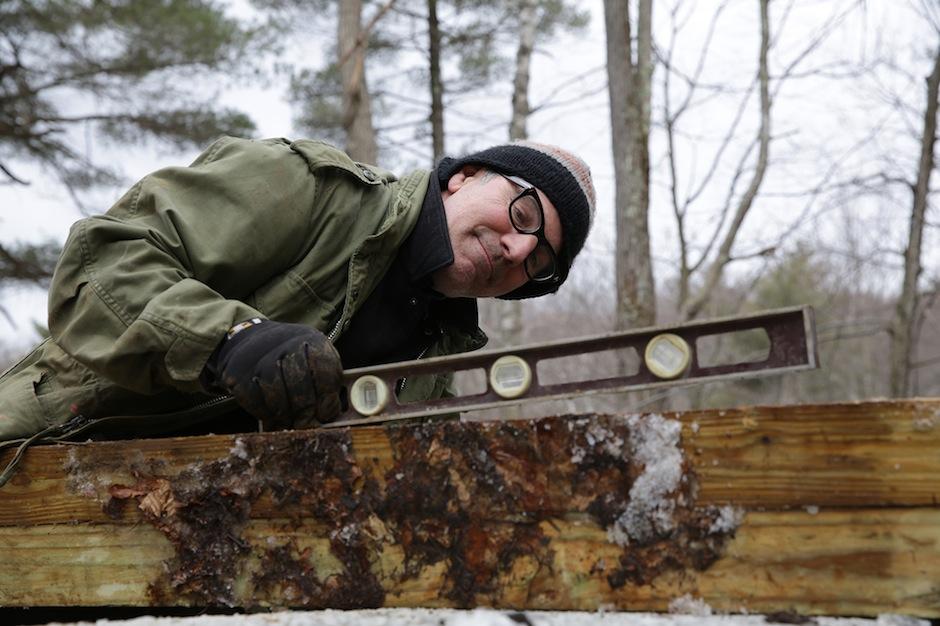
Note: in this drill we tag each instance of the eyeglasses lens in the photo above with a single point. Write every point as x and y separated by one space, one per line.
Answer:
540 264
525 213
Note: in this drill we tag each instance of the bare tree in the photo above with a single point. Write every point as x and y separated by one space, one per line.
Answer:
528 22
510 312
142 67
357 105
436 82
691 307
902 327
703 260
629 88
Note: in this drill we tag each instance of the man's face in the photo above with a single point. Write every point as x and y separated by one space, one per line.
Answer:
489 254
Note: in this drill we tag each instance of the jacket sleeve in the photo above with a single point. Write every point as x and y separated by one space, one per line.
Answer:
143 294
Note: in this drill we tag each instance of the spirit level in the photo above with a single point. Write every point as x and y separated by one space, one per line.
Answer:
670 355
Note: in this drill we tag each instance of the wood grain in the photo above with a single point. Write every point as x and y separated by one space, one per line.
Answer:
839 506
862 562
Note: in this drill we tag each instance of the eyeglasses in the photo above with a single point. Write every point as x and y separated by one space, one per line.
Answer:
528 217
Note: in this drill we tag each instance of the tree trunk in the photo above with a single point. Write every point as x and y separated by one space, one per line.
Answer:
629 91
528 21
437 84
694 305
902 328
357 107
509 313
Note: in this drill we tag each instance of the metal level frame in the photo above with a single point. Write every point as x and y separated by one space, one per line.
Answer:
792 347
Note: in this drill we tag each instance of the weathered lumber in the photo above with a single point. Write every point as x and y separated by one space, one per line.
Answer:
862 562
819 509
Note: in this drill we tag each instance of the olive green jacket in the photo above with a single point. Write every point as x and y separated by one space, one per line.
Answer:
292 231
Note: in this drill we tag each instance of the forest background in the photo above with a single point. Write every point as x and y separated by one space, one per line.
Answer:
748 154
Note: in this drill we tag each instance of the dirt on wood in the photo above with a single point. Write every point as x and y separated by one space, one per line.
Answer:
472 498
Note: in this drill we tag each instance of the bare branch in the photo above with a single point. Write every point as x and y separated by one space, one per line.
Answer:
574 99
929 11
739 171
13 177
726 141
903 325
694 79
692 307
565 85
7 316
836 165
818 38
21 268
669 121
764 252
366 31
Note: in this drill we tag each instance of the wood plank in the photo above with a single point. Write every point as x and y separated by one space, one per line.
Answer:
558 513
858 454
863 454
861 562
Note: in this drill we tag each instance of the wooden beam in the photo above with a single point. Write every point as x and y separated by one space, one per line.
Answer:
865 562
819 509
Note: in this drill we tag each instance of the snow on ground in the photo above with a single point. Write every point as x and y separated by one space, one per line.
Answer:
486 617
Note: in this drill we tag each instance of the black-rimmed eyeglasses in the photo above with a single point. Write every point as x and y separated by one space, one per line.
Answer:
528 217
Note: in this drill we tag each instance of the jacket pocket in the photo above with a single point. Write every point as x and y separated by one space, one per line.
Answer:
319 155
289 298
21 414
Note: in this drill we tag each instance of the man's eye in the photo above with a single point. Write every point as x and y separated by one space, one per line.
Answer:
525 214
539 259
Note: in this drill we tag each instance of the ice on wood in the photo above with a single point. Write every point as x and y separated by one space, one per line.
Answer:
654 443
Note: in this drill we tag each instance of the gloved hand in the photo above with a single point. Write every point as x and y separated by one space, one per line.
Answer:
286 375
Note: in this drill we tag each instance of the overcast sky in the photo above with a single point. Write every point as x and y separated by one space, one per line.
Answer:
811 114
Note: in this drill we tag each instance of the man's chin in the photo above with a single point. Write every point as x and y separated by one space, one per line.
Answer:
462 281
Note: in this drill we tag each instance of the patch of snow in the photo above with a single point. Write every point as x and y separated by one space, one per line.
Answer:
601 439
612 444
924 424
346 533
890 619
577 455
729 518
689 605
239 450
812 509
486 617
695 427
654 443
618 534
481 617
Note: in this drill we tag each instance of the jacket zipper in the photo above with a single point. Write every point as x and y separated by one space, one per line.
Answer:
332 334
401 383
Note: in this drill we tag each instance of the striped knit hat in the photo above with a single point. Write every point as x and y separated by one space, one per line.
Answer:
560 175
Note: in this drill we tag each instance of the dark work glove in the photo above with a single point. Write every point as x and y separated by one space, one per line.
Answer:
286 375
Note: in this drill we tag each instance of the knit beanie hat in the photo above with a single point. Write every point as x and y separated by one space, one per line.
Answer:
561 176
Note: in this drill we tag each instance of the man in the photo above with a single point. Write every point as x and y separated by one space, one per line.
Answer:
264 267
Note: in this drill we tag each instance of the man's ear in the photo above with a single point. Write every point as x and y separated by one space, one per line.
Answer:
461 178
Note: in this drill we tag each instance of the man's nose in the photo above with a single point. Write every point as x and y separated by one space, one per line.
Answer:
517 246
